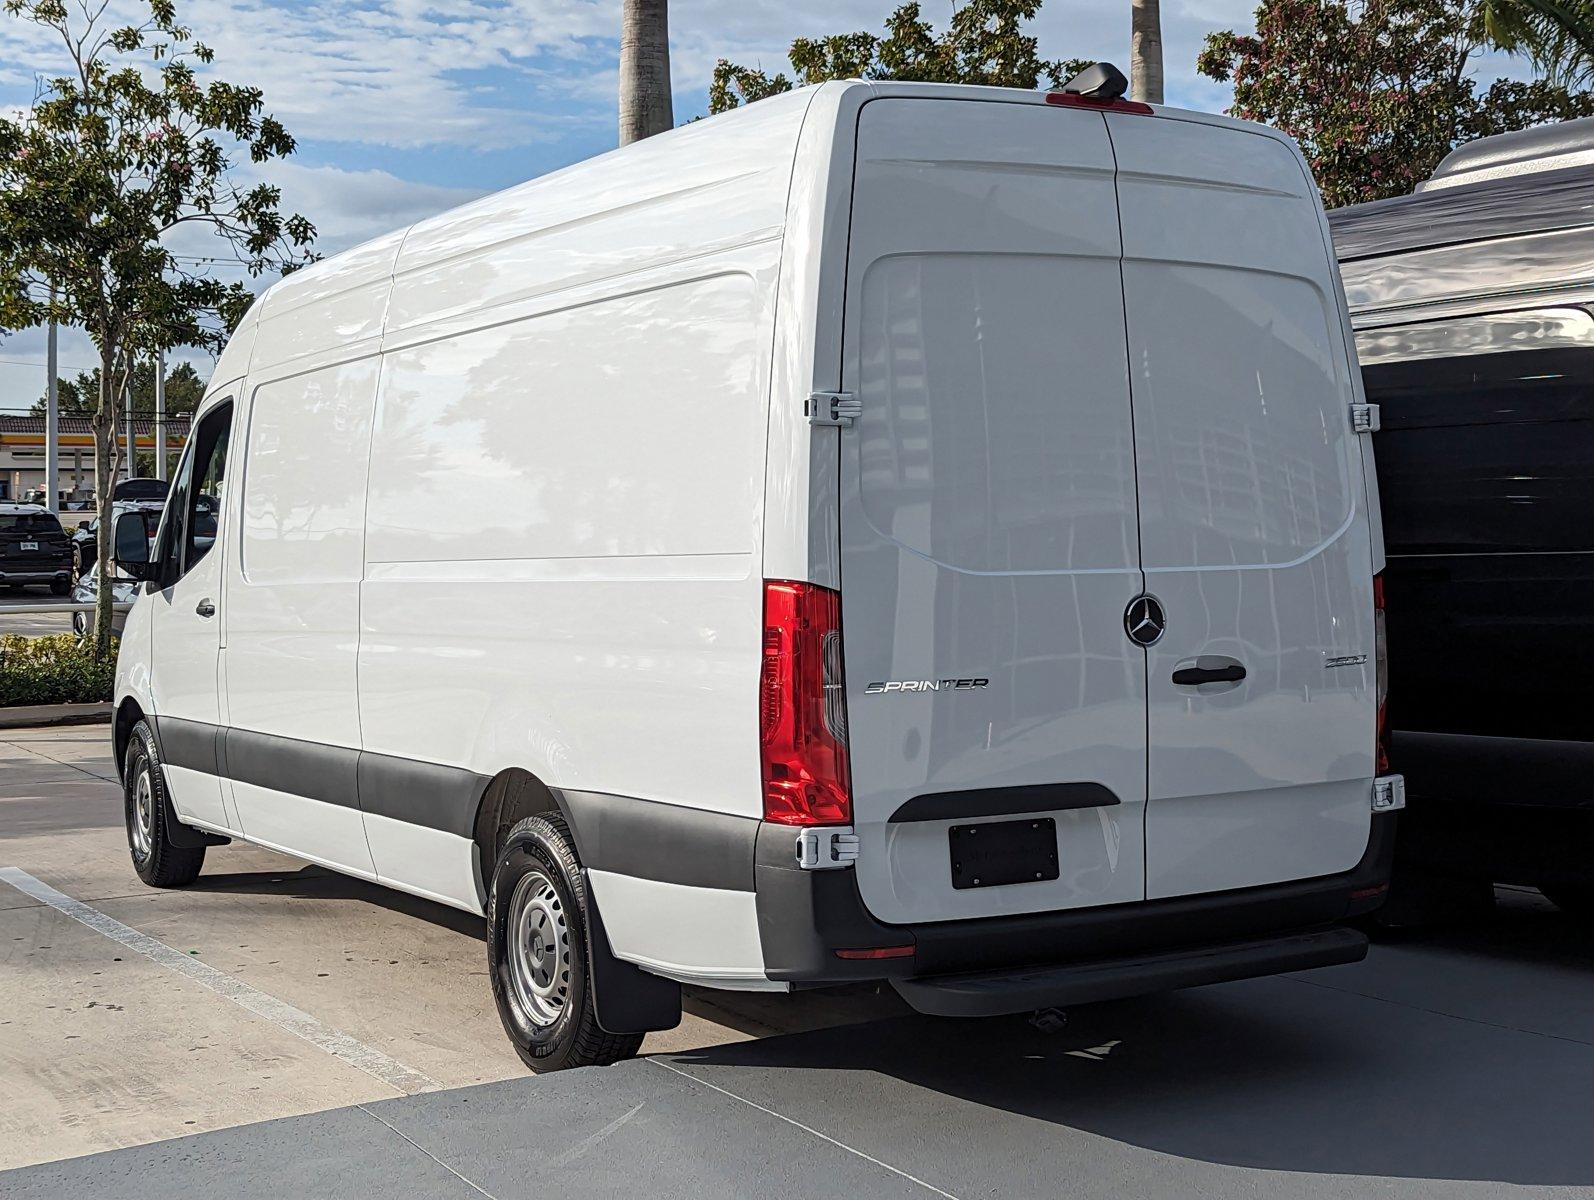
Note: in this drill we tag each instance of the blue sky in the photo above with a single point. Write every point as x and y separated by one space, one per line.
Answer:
403 108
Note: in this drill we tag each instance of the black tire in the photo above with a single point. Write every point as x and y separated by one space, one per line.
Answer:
60 587
1574 900
16 587
80 624
542 990
157 861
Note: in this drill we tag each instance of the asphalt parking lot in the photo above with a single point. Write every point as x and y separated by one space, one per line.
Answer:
32 624
277 1030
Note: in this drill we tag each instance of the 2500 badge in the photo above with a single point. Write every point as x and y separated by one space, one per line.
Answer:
925 685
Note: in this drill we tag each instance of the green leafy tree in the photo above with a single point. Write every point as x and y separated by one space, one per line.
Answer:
128 148
1375 91
984 43
1557 35
78 397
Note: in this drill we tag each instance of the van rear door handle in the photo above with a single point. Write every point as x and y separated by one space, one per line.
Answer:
1228 672
205 608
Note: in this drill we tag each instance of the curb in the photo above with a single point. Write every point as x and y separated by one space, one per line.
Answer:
55 714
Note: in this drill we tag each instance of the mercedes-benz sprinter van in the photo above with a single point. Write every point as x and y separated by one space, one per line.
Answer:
890 532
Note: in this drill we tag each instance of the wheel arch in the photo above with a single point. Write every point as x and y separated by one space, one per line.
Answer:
128 714
510 797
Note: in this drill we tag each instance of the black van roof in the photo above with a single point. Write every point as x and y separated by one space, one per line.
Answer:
1501 207
1542 148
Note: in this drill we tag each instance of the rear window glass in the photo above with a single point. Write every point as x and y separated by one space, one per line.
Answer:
1486 452
30 523
140 489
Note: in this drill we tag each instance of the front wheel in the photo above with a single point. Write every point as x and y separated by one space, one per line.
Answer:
537 953
157 861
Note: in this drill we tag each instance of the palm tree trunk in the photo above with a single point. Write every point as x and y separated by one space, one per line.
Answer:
1145 50
645 106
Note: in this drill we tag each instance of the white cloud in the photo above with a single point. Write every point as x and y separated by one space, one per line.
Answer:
349 207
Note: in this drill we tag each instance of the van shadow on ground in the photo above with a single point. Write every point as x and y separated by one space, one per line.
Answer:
1276 1074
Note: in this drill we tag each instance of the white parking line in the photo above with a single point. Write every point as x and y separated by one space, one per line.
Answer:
296 1021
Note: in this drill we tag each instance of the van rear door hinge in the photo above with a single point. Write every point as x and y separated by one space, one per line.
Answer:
1364 418
833 408
827 847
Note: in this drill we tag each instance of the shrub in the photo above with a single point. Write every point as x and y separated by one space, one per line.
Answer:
52 670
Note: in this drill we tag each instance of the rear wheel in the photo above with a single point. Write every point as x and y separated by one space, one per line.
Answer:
537 953
148 808
59 587
1572 899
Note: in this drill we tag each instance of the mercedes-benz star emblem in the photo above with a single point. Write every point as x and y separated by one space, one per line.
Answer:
1144 620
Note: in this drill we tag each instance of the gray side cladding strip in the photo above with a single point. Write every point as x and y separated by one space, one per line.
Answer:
662 842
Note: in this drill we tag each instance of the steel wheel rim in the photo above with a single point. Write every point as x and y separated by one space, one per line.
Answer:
143 814
539 949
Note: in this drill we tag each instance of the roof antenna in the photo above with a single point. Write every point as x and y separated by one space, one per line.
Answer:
1101 82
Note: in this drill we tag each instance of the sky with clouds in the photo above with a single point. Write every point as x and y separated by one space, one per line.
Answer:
403 108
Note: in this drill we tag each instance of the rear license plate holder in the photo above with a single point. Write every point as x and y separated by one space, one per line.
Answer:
1001 852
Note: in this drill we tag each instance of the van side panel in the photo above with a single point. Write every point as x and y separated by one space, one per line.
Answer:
562 568
292 597
1254 531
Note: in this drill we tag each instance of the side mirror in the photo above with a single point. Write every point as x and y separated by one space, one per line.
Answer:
130 550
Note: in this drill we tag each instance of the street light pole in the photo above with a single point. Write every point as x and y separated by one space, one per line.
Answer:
52 424
160 415
127 425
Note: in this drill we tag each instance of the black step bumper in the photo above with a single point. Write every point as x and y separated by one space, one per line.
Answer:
805 917
997 993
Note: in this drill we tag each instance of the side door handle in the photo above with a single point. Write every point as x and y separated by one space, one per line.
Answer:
1210 670
205 608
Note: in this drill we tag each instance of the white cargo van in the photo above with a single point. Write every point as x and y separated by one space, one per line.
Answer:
914 532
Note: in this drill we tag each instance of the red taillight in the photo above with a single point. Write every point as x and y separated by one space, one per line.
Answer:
802 707
1069 100
1381 672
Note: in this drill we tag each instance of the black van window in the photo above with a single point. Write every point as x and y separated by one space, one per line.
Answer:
1486 452
203 499
193 506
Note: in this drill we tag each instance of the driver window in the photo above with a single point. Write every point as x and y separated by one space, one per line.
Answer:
193 509
205 495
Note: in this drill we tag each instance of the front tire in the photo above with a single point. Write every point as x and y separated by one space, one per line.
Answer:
537 953
148 809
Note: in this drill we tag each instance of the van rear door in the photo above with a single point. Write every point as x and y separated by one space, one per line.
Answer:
988 524
1253 513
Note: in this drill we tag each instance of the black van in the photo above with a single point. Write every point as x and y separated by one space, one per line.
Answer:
1473 305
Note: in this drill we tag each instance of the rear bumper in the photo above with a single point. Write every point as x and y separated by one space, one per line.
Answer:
994 993
1096 953
36 574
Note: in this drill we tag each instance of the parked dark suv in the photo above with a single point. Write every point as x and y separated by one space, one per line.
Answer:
34 549
1474 318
